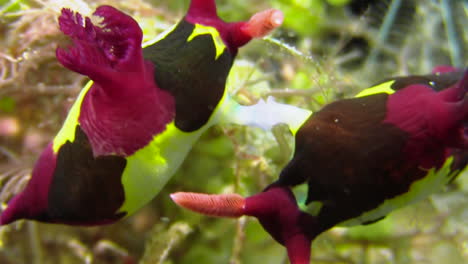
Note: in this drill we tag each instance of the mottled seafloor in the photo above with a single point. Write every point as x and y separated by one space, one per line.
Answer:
326 49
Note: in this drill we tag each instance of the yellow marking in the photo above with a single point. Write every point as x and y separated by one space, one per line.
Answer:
67 132
213 32
381 88
159 37
149 168
295 128
432 182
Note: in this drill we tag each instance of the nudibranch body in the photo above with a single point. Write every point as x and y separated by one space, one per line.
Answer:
131 128
365 156
394 144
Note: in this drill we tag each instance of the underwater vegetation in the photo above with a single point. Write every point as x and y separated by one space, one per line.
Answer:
347 51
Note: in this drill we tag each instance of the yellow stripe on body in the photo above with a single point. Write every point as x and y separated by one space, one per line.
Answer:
149 168
420 189
67 132
213 32
380 88
159 36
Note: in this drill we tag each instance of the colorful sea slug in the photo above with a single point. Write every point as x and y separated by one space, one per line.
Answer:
132 126
392 145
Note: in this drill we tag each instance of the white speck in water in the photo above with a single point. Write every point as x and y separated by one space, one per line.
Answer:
336 120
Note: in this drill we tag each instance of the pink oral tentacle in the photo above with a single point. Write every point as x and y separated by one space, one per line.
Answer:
275 208
263 23
218 205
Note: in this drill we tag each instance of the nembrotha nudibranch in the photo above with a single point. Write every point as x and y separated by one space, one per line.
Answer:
130 129
392 145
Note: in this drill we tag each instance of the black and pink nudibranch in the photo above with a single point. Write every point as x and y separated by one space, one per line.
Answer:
129 130
361 158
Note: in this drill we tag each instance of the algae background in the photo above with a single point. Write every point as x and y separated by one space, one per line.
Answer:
327 49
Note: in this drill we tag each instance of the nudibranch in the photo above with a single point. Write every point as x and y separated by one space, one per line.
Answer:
393 144
132 126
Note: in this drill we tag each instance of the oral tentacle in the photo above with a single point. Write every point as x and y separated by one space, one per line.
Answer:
218 205
262 23
275 208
